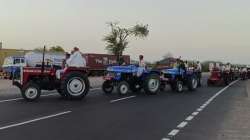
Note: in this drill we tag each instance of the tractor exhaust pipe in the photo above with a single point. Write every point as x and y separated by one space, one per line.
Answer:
44 49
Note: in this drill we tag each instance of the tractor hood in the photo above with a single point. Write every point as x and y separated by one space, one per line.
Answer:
123 69
173 71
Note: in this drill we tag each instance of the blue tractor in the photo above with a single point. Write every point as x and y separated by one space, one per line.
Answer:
125 78
177 78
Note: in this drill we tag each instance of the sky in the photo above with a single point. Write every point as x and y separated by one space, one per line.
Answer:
193 29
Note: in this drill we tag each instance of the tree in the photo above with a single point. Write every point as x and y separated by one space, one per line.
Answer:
168 55
56 49
117 39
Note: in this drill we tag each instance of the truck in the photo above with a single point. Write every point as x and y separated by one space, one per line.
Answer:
98 63
12 64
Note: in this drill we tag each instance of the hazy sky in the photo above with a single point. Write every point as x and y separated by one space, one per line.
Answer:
193 29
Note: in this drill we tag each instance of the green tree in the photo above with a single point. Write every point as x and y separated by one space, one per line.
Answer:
56 49
117 39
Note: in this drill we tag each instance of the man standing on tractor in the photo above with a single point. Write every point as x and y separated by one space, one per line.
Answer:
199 72
142 66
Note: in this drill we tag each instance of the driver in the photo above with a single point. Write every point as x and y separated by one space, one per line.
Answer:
76 59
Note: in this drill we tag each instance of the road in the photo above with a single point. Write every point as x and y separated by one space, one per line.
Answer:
210 113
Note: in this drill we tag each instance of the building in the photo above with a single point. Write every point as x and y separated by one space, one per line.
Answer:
10 52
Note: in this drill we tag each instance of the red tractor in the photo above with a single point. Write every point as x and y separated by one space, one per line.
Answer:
71 83
218 77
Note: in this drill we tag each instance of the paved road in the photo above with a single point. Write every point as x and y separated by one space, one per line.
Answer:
210 113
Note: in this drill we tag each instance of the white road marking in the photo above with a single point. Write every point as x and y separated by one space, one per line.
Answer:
34 120
189 118
120 99
165 139
194 114
182 125
174 132
46 95
9 100
199 109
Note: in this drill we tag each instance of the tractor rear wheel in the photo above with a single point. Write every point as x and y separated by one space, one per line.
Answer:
75 85
31 91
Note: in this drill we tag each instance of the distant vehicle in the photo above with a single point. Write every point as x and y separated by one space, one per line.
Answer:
34 59
12 64
218 77
177 78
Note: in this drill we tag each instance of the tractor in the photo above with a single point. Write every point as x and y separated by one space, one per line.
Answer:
71 82
218 77
177 78
125 78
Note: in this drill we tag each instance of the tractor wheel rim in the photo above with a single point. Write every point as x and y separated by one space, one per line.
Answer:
76 86
123 89
153 85
31 93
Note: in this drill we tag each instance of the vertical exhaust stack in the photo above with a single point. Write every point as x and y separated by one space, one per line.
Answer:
44 49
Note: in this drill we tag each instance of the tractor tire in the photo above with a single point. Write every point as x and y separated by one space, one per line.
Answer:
122 88
179 86
107 87
152 84
75 85
31 92
192 83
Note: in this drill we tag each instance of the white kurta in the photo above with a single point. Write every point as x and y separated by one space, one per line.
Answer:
76 60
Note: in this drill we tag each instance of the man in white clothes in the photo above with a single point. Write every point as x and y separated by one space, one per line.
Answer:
142 66
199 70
76 59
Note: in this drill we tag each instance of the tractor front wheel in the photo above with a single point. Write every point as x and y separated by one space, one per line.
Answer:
31 91
107 87
123 88
179 86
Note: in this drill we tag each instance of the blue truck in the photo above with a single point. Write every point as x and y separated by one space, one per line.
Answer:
12 65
